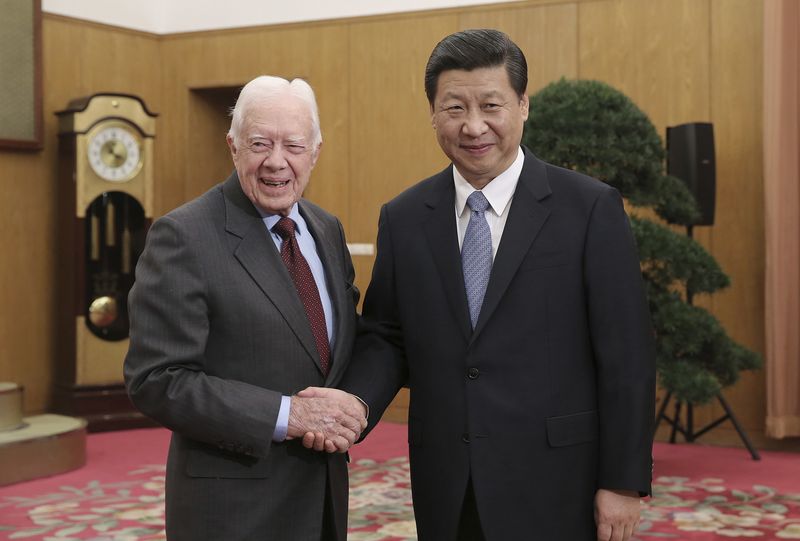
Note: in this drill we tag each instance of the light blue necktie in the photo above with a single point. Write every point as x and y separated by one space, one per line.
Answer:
476 254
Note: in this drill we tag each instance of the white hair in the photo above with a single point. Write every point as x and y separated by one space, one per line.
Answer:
268 87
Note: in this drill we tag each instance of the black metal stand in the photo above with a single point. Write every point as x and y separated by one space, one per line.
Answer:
688 431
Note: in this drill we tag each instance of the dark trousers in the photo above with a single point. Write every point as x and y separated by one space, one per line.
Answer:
469 524
328 524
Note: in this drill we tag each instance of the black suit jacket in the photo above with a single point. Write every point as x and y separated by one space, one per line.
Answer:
218 334
552 395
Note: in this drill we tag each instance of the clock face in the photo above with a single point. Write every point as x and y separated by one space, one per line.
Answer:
114 153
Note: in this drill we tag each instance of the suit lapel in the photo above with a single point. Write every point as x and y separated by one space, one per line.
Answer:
526 217
336 280
440 230
257 254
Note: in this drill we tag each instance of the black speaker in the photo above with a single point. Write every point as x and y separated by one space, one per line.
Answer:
690 157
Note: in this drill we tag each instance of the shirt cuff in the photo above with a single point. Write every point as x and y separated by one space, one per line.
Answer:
282 424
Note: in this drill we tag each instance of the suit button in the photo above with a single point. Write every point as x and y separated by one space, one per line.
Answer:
465 437
473 373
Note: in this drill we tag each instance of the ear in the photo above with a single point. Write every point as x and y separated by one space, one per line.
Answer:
231 146
433 117
524 105
315 155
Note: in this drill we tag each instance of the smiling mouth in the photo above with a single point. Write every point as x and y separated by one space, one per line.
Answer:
274 183
476 148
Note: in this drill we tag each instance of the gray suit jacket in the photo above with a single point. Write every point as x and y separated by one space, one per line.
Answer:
218 334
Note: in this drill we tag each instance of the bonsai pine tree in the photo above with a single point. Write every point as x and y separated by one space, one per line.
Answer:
590 127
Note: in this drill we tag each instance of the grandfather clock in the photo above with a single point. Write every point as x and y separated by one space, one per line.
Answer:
106 205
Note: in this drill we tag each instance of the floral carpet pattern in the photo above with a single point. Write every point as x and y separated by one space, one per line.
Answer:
380 509
380 501
129 510
683 508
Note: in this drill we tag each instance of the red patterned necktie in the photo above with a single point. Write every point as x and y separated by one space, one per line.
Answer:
306 288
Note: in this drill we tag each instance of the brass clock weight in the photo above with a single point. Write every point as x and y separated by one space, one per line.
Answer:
105 192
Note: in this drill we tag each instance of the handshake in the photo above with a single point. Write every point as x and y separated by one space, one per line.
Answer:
326 419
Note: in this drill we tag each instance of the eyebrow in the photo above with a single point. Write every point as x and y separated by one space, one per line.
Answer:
485 95
293 139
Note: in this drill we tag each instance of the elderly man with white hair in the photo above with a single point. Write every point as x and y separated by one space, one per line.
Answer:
243 297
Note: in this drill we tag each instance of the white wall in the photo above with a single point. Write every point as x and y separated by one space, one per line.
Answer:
171 16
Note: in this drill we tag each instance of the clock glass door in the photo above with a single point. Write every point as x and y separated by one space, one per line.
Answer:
115 233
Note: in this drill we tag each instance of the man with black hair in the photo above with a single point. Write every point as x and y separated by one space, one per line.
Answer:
507 294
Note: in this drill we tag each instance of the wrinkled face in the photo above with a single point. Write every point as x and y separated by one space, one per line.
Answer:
478 119
274 152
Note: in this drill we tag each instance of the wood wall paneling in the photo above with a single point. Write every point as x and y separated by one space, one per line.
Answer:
209 160
738 234
547 35
171 148
26 275
656 52
329 66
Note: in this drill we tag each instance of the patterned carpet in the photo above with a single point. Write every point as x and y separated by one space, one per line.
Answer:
132 509
128 506
683 508
380 501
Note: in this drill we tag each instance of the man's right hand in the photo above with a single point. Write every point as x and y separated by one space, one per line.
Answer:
336 421
616 514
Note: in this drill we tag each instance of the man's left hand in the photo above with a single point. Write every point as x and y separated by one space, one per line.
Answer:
616 513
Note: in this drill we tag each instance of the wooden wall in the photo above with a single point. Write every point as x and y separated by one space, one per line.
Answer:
679 60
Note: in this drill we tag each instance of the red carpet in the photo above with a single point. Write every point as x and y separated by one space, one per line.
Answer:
701 493
707 493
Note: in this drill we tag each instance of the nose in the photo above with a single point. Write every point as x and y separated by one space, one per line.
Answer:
275 160
474 124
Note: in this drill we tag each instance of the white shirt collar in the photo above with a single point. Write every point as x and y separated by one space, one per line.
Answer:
498 192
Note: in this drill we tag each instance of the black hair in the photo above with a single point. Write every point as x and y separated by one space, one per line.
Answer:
472 49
